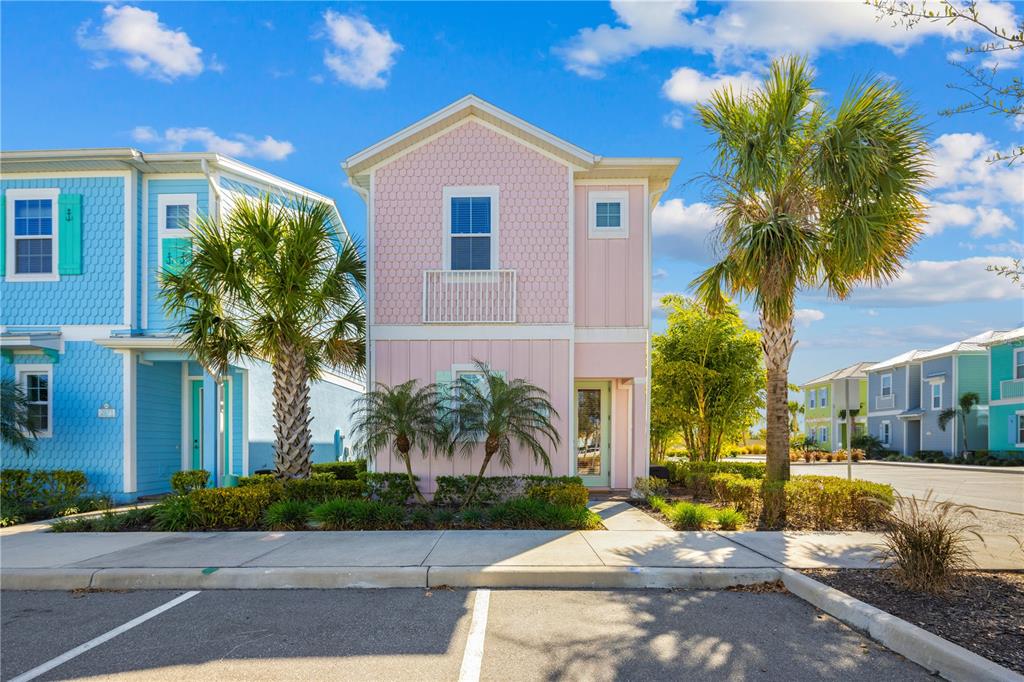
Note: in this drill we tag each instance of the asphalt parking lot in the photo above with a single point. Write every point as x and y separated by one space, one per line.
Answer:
435 634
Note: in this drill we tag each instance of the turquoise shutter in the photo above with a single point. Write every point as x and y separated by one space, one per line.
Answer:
3 234
177 255
69 216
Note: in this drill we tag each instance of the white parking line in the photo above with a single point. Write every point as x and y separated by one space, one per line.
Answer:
474 654
105 637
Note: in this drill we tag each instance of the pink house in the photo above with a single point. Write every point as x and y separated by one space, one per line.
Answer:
490 239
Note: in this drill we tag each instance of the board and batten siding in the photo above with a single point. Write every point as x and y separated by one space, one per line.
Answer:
157 320
158 425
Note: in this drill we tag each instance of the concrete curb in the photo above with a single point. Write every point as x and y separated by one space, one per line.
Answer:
1019 471
930 651
46 578
597 577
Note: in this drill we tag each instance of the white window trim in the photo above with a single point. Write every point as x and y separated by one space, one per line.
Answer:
823 397
1016 362
595 232
932 396
21 371
164 232
1020 418
886 433
813 397
881 386
12 195
450 193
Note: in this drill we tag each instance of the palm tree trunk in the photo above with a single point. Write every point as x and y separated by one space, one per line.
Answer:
489 451
777 344
293 439
412 479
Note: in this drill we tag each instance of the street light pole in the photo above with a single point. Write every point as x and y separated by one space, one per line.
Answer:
849 434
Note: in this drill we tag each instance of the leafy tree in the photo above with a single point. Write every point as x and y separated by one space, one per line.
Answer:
809 198
17 429
985 87
706 376
485 408
963 409
403 418
1014 272
871 445
273 283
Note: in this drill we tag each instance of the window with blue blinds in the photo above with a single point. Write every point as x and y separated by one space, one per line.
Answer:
471 233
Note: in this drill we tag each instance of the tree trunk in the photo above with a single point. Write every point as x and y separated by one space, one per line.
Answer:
777 344
403 451
293 439
490 447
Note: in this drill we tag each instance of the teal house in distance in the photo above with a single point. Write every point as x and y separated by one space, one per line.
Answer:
1006 391
83 330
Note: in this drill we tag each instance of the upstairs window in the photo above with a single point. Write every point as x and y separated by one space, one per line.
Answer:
1018 363
175 214
813 395
823 397
471 225
608 215
937 395
31 231
886 385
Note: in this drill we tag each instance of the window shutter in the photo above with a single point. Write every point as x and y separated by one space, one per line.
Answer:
69 216
3 234
177 255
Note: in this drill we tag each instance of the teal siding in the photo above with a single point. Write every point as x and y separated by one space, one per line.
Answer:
97 295
237 421
157 321
1002 431
1002 365
158 425
85 377
972 375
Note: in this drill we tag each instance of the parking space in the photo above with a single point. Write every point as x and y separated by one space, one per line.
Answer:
436 634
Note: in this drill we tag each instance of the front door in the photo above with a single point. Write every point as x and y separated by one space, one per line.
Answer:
593 433
226 423
197 423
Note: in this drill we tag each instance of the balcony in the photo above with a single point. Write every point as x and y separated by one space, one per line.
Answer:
1011 388
885 402
469 296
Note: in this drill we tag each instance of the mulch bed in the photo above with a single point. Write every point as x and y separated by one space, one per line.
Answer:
984 614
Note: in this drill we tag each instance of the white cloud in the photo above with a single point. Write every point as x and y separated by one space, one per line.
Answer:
363 54
673 119
1012 248
689 86
149 48
805 316
927 282
741 29
871 312
239 144
660 273
984 221
684 231
962 171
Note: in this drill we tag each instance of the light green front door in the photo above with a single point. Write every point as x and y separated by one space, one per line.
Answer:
197 423
593 433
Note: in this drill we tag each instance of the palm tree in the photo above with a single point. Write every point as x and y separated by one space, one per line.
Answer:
278 284
962 410
809 198
17 428
404 418
484 407
795 408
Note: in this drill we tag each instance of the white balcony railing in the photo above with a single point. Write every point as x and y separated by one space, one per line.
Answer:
885 402
1011 388
458 296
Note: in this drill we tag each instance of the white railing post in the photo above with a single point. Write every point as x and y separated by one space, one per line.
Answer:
461 296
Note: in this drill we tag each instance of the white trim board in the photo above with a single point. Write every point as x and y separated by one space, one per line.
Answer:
456 332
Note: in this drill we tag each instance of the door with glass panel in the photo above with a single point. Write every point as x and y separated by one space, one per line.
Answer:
593 433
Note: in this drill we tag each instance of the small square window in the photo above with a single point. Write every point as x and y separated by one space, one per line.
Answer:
608 214
177 217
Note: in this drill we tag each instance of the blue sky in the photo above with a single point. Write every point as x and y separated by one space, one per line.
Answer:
294 88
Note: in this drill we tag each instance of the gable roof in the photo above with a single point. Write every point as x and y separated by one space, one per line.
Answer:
971 344
901 359
1004 337
854 371
658 170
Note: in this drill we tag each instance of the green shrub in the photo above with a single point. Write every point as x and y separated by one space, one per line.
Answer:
184 482
695 476
40 489
389 488
645 486
321 489
343 471
831 503
175 513
451 490
742 493
443 518
472 517
560 494
256 479
421 517
535 513
287 515
342 514
729 518
225 508
689 516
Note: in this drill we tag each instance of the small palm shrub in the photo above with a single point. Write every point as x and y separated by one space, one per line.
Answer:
730 519
344 514
926 543
443 518
472 517
175 513
420 517
287 515
690 516
525 512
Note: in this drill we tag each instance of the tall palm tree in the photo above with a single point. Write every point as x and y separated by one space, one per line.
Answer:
17 428
499 413
795 408
962 410
404 418
809 198
276 283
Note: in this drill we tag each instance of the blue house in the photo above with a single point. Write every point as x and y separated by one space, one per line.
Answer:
1006 392
82 326
894 402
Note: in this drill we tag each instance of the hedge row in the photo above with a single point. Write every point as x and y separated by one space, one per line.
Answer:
452 490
